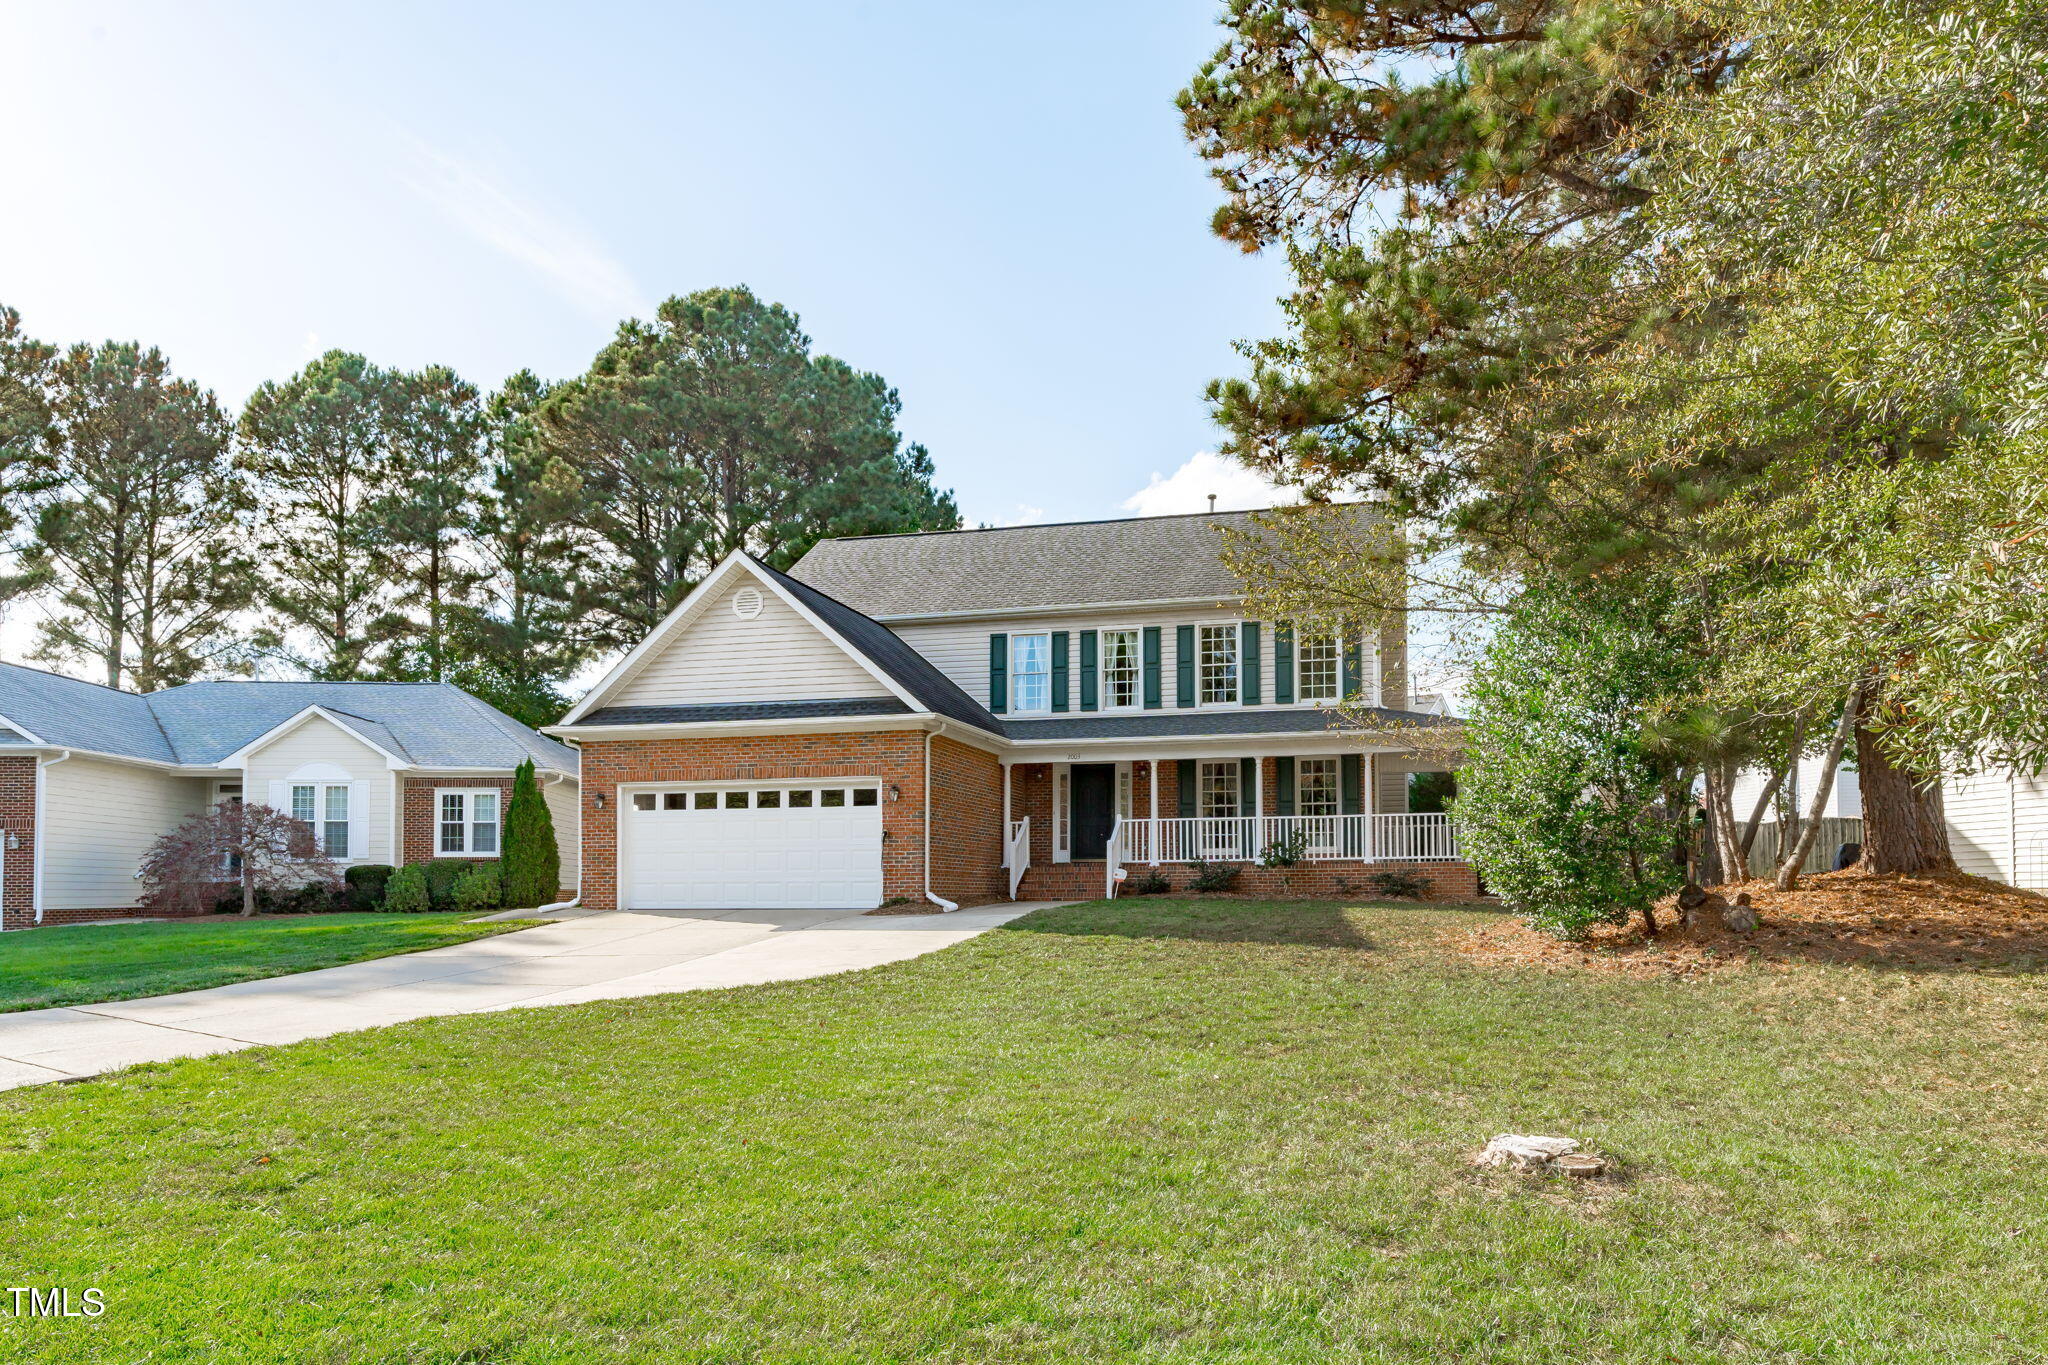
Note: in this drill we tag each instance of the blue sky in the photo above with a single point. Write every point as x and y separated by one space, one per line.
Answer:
992 206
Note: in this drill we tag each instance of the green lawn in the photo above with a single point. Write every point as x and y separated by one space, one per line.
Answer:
44 967
1157 1131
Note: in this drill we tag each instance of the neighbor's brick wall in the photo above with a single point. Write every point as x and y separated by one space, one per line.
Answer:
967 823
18 817
894 756
422 811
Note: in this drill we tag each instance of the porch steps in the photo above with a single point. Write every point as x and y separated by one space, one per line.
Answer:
1063 881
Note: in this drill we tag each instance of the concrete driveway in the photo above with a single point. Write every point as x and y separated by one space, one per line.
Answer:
575 958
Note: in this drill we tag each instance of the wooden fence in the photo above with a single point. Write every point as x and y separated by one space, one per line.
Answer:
1835 830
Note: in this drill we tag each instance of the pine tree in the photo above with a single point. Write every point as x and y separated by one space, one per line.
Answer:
521 638
713 428
532 861
140 539
426 520
26 371
319 446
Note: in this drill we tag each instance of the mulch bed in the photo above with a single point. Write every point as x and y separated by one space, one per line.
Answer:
1926 922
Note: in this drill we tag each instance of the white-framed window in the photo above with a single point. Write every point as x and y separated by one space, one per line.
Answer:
1315 786
323 807
1123 792
1122 669
1318 665
1216 664
1216 790
1062 798
467 822
1031 672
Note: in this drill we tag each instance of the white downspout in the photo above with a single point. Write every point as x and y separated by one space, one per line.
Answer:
42 765
946 907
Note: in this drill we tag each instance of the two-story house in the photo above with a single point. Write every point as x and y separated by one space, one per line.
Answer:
962 716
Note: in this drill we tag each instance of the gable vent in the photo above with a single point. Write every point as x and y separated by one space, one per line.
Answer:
746 603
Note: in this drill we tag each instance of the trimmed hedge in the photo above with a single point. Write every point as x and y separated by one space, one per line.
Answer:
406 892
366 883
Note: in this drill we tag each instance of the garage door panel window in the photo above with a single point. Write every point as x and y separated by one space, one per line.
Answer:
468 826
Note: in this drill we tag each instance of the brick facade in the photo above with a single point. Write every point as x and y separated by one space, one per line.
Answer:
896 757
967 823
422 813
18 821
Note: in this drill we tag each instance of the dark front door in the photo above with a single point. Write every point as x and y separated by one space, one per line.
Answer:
1093 794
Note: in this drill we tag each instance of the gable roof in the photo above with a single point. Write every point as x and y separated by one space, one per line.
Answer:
1017 568
433 725
882 647
898 667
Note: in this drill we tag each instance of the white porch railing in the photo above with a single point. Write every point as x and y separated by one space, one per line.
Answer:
1017 852
1324 838
1113 859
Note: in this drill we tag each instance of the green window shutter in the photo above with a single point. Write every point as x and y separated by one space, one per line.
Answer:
1283 663
998 673
1283 786
1088 697
1151 668
1184 665
1247 785
1248 673
1059 670
1351 670
1350 783
1186 783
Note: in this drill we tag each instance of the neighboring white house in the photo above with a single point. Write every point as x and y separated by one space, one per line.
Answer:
1845 798
1998 826
383 772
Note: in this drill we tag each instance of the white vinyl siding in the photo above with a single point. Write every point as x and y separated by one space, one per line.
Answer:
566 809
99 819
960 651
1998 826
319 753
775 656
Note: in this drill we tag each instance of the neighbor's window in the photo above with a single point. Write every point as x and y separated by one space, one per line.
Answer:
469 822
1217 656
1318 666
1217 790
324 809
1316 786
1031 672
1119 668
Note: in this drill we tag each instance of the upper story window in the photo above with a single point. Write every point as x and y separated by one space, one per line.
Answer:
1120 668
1031 672
469 822
1318 665
325 808
1216 664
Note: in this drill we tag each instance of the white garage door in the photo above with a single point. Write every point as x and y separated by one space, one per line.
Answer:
799 847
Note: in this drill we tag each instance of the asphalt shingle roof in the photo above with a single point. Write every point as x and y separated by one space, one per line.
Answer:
1018 568
434 725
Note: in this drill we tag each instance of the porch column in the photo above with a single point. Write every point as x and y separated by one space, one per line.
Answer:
1006 815
1258 805
1152 793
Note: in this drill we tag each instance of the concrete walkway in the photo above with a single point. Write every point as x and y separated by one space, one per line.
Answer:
575 958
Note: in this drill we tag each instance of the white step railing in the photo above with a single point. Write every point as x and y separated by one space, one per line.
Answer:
1017 852
1113 859
1427 838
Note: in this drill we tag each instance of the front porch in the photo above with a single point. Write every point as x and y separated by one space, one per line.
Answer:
1324 820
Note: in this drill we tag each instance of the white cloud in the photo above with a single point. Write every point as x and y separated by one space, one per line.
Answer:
1187 489
571 258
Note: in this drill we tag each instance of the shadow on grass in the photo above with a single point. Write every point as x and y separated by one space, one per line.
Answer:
1311 924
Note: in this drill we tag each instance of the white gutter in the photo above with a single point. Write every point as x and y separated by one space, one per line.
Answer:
42 765
557 779
946 907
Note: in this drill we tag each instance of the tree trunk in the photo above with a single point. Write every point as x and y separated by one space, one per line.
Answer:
1722 832
1904 826
248 890
1809 829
